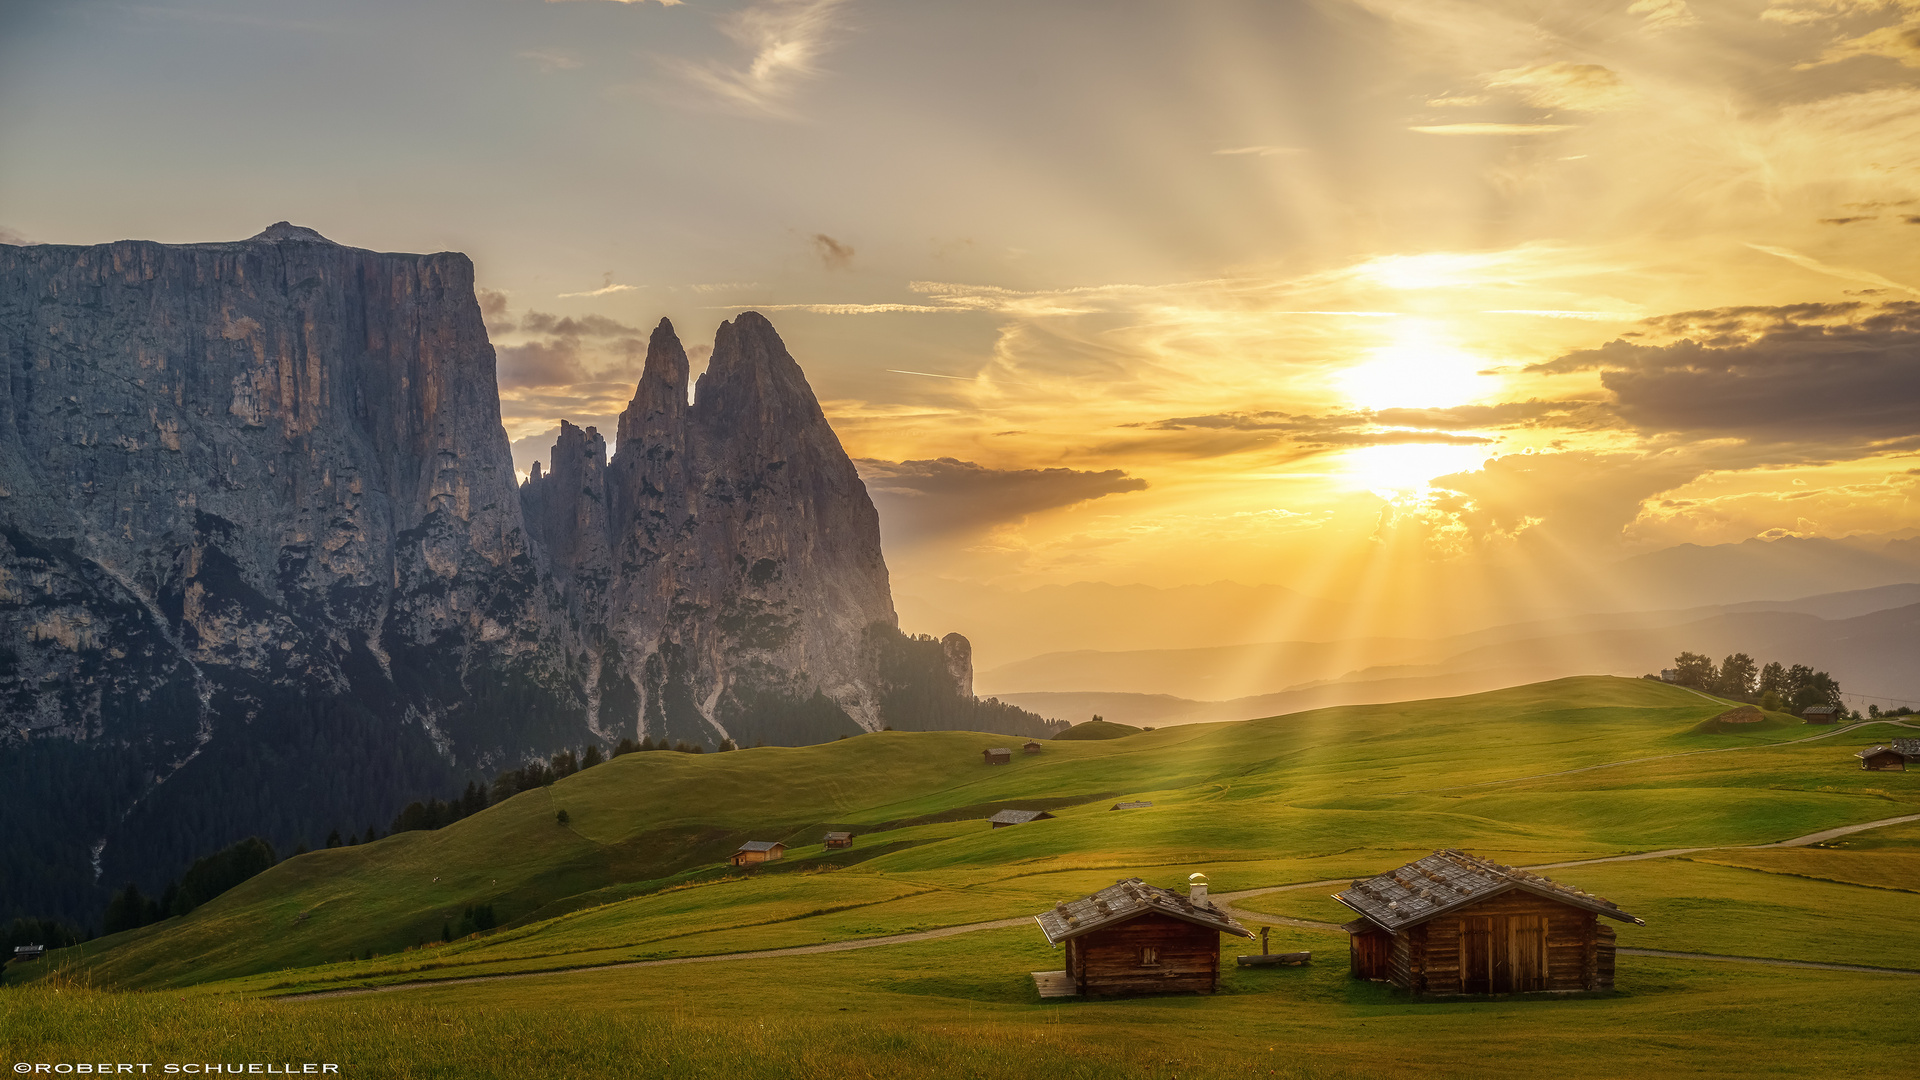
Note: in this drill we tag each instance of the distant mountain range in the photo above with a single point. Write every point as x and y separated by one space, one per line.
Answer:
1007 625
1865 638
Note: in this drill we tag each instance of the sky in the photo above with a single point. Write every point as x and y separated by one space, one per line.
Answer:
1336 295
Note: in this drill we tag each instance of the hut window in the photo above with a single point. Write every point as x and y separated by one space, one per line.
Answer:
1149 956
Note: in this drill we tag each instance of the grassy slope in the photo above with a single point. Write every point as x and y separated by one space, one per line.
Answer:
1322 794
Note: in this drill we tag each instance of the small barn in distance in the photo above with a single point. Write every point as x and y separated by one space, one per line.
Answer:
999 755
758 851
1129 806
839 840
1136 938
1032 747
1454 923
1886 758
1018 817
1820 714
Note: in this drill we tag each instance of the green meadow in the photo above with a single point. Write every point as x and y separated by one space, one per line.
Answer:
638 874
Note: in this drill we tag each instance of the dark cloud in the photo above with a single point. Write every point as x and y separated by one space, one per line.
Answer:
540 322
943 497
834 255
1844 375
553 362
1218 434
8 236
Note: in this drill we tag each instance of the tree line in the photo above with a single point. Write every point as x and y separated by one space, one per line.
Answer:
1775 686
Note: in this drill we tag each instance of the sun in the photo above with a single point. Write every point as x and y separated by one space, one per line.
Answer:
1388 471
1418 370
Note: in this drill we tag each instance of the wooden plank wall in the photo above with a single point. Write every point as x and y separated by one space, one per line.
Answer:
1495 944
1108 961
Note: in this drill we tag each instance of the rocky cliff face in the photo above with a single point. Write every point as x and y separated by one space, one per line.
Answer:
725 566
264 566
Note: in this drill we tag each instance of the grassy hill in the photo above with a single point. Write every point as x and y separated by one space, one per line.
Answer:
1574 768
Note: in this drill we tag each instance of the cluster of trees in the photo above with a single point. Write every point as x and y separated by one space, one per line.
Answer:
1775 686
207 878
476 918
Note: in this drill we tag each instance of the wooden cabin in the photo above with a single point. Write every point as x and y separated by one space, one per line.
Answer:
1032 747
758 851
1883 758
1820 714
1136 938
1018 817
999 755
839 840
1454 923
1129 806
29 952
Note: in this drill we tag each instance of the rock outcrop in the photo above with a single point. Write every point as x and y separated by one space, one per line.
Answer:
265 566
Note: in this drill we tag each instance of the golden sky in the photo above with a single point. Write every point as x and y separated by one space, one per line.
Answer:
1341 295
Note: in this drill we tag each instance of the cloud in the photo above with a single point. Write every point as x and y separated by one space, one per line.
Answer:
551 59
834 255
555 362
604 290
1490 129
1260 151
1563 85
540 322
1577 499
1845 273
493 310
1664 14
8 236
925 499
785 38
1898 40
1845 377
662 3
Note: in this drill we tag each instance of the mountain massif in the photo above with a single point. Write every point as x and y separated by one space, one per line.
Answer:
265 565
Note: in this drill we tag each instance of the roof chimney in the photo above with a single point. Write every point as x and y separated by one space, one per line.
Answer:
1197 889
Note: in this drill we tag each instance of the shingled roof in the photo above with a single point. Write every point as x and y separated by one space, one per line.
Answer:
760 845
1018 817
1446 880
1129 898
1909 747
1872 750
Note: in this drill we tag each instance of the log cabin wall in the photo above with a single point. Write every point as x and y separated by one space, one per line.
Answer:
1184 957
1512 943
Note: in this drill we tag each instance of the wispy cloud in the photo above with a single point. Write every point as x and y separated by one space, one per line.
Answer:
1490 129
662 3
551 59
786 39
604 290
1664 14
1562 85
834 255
1845 273
1260 151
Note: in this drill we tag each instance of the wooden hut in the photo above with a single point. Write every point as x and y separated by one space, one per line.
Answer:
1129 806
1454 923
1136 938
1018 817
29 952
839 840
758 851
999 755
1032 747
1820 714
1883 759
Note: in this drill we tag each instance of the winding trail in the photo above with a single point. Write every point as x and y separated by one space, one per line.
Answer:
1660 757
1222 900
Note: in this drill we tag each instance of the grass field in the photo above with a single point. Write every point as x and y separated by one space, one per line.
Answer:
637 874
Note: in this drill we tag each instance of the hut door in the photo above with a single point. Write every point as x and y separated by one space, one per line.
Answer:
1527 950
1476 954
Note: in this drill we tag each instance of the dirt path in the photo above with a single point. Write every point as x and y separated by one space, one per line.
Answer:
1223 900
1658 757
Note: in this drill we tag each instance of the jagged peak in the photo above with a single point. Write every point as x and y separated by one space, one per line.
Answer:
750 359
287 230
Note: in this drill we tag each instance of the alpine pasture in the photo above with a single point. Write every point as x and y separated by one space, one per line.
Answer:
622 924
